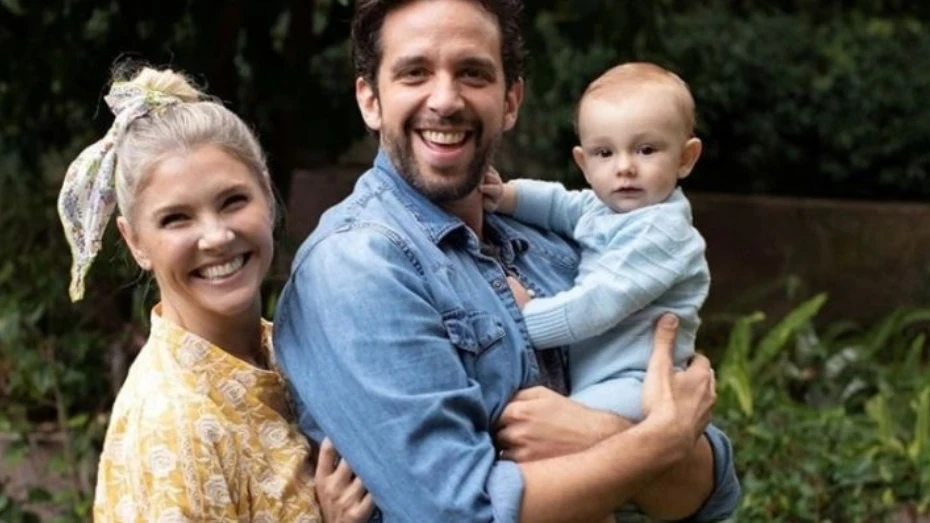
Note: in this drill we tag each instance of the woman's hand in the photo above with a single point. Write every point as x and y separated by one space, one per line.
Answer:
342 496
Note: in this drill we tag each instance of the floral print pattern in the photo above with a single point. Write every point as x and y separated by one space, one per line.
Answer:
88 192
199 435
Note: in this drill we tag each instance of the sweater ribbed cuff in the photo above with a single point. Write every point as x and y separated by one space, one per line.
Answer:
547 328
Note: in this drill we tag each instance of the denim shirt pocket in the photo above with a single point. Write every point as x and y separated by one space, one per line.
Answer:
472 333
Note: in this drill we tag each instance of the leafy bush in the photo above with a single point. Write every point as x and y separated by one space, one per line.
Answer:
788 103
830 425
59 363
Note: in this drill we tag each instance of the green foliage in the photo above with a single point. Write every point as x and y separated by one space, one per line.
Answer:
55 358
831 424
810 101
791 105
281 65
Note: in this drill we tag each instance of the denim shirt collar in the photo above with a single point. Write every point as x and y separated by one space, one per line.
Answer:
436 221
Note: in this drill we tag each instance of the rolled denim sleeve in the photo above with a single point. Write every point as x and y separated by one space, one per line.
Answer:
724 500
370 364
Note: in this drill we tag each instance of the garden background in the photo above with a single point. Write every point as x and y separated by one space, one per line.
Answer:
811 193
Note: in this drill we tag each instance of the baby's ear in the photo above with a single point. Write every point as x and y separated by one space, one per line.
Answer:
578 155
689 156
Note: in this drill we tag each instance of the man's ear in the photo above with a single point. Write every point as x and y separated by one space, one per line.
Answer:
367 97
129 236
689 156
512 100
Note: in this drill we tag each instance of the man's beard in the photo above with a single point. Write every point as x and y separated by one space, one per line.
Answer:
400 150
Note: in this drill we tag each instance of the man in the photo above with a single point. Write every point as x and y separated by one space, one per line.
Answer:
403 342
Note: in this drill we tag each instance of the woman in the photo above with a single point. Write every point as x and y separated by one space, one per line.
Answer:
202 427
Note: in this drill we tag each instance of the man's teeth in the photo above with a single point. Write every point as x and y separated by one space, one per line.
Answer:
214 272
444 138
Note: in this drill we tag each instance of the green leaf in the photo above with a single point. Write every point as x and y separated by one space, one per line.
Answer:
79 420
738 347
776 338
39 495
877 409
915 352
16 452
13 6
921 425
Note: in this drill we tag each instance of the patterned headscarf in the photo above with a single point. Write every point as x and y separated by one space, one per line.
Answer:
88 193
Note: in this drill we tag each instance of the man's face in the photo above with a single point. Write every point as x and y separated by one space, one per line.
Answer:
441 103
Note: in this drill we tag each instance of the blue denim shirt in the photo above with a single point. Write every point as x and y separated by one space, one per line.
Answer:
402 343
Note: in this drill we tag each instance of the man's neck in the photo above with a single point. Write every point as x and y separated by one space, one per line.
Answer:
470 210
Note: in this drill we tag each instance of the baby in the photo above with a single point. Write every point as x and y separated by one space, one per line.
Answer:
640 256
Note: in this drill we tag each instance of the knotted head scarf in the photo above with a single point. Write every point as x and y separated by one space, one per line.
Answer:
88 193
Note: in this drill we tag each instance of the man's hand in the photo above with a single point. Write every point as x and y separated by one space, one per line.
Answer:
539 423
682 401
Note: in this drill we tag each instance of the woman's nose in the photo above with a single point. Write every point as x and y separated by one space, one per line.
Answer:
215 235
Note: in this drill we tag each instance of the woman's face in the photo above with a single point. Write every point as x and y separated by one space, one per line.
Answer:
202 223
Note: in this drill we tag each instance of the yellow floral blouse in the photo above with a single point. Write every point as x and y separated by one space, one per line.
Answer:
199 435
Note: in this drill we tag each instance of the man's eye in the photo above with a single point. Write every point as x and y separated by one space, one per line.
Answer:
417 73
474 73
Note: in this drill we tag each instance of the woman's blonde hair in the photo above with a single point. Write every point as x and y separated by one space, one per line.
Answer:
181 128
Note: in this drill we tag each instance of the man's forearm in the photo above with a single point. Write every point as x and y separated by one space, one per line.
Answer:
679 491
589 485
682 489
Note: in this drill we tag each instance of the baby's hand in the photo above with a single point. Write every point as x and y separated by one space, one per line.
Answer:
492 189
520 293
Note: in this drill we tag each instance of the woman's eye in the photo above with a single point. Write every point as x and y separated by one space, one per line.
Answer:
171 219
235 201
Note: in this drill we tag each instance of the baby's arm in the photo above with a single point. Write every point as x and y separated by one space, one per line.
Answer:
641 262
543 204
550 205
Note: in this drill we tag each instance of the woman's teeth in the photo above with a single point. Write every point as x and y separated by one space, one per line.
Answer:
215 272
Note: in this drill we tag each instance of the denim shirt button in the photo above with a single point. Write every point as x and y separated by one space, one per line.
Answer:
499 284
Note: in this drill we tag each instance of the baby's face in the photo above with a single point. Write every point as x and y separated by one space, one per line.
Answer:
634 147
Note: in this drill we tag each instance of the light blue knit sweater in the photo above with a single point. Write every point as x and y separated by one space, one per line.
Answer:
634 266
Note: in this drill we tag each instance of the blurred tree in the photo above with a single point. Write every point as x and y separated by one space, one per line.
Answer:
281 64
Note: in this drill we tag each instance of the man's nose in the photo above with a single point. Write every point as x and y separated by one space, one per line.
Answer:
445 98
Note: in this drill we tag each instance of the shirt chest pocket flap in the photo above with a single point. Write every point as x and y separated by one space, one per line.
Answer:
473 331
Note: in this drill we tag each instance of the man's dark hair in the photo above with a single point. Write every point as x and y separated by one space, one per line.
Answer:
369 18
